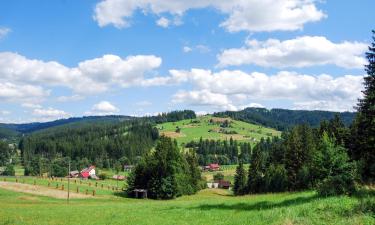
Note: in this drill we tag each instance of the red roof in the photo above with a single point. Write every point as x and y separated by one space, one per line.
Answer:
214 166
85 173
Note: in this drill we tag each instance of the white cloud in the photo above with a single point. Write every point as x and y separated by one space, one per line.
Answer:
229 89
299 52
338 106
187 49
204 98
249 15
13 92
163 22
31 105
4 32
49 114
71 98
90 76
103 108
4 112
199 48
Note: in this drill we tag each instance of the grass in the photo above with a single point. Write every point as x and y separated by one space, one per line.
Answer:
193 130
206 207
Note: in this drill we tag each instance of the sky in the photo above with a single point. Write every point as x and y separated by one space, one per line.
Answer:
71 58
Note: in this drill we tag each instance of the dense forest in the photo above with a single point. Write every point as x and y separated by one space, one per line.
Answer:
219 151
282 119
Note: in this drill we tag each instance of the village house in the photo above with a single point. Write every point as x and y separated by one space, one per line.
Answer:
74 174
88 172
212 167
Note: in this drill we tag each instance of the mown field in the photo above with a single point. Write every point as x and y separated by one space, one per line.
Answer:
208 127
206 207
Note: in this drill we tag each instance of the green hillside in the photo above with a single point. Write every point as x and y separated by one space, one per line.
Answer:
209 127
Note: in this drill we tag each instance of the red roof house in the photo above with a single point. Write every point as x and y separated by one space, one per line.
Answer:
214 166
88 172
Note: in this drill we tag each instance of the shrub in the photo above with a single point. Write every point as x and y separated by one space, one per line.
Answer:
218 176
9 170
103 176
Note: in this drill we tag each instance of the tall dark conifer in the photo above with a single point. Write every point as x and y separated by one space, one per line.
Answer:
239 187
363 128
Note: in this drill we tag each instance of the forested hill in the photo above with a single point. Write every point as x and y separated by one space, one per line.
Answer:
12 131
282 119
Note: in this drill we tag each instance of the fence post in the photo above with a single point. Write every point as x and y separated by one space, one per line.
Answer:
77 189
87 191
57 186
62 187
93 192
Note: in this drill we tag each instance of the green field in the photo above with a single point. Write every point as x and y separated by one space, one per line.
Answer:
206 207
193 130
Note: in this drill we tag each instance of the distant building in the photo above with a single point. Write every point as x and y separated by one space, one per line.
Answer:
224 184
128 168
74 173
88 172
118 177
212 167
212 185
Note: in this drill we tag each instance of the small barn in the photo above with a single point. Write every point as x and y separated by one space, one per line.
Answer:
88 172
224 184
74 174
212 167
118 177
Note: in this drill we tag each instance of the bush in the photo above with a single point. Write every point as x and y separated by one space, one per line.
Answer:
276 178
336 185
103 176
219 176
9 170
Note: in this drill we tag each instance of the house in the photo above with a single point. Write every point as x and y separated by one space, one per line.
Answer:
128 168
224 184
212 185
88 172
118 177
74 173
212 167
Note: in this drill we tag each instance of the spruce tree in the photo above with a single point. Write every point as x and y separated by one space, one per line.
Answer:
363 128
239 187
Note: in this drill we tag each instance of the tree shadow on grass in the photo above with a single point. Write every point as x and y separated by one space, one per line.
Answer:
263 205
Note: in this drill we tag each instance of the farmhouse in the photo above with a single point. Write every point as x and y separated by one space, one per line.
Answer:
224 184
88 172
118 177
74 173
212 167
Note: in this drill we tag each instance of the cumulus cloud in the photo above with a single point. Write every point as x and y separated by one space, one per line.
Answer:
163 22
22 93
199 48
250 15
229 89
89 77
4 32
299 52
103 108
187 49
49 114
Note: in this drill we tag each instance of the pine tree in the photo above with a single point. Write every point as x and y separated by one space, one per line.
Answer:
363 129
239 187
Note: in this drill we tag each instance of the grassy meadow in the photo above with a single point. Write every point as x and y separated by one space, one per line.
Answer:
193 130
207 207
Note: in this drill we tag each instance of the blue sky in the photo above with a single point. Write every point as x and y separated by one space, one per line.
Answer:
67 58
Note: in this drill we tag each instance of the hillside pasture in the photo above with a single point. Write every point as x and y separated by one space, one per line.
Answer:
209 127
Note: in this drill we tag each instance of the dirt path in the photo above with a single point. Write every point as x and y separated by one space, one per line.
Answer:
40 190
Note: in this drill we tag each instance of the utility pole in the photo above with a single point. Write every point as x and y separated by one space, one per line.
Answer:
69 182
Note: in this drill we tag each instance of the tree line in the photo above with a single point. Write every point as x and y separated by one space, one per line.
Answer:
219 151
